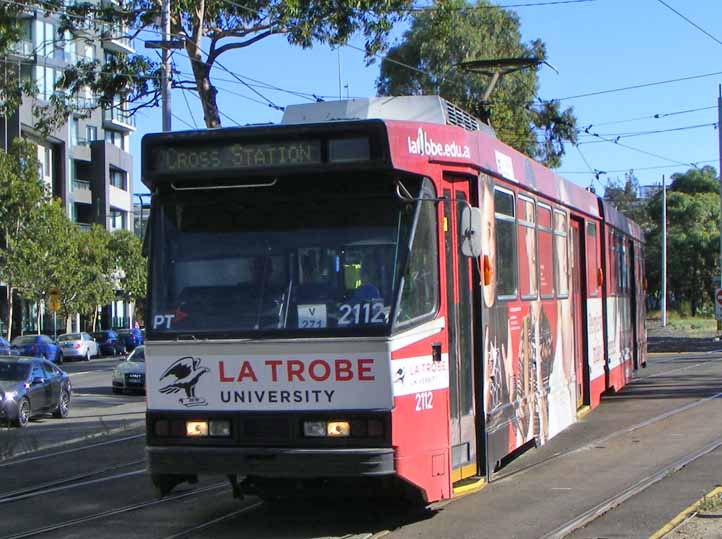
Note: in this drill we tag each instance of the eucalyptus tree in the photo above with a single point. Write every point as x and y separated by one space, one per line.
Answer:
430 59
206 30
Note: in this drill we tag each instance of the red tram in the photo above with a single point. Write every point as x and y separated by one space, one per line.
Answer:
377 292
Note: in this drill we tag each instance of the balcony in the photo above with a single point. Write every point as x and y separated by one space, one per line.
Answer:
24 48
115 39
80 149
82 194
120 120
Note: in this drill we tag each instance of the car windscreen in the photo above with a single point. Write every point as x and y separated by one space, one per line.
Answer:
138 356
308 254
70 337
14 372
25 339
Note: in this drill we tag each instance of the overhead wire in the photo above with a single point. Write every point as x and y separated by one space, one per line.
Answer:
637 86
617 136
690 21
650 117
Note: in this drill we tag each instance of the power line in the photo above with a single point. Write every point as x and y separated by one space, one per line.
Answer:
636 86
690 21
617 136
498 6
570 172
650 117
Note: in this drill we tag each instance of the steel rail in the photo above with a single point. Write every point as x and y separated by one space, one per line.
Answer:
67 451
611 436
113 512
216 520
630 491
39 489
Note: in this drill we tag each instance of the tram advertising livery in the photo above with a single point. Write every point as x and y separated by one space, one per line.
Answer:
392 303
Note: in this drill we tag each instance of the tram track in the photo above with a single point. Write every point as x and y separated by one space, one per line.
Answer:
75 481
628 492
604 439
114 512
42 456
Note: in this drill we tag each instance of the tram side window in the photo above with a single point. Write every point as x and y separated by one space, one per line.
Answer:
505 244
420 294
527 248
592 262
561 254
546 259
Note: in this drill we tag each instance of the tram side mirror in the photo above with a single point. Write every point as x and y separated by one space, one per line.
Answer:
470 231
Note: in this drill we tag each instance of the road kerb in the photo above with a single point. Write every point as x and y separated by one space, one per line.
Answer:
676 521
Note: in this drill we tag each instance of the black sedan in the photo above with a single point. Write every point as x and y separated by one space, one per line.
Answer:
31 387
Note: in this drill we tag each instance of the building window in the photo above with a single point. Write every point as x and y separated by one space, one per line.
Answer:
91 133
117 139
44 38
118 219
74 131
119 179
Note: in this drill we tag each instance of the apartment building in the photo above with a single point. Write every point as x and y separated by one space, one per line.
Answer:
86 163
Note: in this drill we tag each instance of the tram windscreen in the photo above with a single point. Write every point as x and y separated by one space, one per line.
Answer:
306 254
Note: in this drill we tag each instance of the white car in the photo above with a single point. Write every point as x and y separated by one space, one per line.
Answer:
78 345
129 374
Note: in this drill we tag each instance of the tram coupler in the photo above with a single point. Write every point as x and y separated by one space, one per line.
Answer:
235 487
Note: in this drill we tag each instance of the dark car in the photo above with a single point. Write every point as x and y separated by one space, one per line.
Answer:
131 338
31 387
38 346
109 342
6 349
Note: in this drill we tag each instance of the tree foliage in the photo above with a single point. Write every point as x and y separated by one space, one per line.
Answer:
21 198
207 29
40 248
624 197
427 62
693 238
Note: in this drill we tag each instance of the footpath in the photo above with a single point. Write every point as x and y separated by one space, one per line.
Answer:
625 470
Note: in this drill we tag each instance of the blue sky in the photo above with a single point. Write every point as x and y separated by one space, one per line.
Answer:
596 45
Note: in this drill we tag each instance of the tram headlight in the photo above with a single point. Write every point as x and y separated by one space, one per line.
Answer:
338 429
219 428
314 429
196 428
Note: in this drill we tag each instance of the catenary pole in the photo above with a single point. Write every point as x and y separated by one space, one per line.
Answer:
165 72
664 252
719 140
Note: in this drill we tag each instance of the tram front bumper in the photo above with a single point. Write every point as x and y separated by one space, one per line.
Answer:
271 462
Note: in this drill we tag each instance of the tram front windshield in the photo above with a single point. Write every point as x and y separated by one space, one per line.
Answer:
305 255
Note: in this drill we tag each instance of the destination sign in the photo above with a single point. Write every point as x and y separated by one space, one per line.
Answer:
226 156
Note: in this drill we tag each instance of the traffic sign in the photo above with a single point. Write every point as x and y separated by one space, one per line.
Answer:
718 304
54 300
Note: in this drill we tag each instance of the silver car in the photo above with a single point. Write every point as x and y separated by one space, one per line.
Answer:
129 375
78 345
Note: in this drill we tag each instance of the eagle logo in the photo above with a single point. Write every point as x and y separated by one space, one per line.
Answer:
184 374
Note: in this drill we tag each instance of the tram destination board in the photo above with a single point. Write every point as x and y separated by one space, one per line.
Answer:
227 155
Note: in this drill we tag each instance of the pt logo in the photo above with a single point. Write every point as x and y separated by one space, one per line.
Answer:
184 374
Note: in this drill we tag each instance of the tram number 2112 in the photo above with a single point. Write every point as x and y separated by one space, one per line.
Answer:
424 401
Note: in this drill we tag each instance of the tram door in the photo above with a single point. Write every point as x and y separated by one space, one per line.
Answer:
579 315
632 279
460 330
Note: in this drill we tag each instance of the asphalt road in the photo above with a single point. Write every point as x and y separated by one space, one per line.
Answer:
94 411
85 476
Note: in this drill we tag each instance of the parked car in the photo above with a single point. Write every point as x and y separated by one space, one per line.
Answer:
129 375
30 387
109 342
6 349
38 346
78 345
131 338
